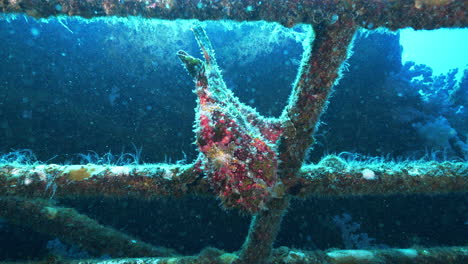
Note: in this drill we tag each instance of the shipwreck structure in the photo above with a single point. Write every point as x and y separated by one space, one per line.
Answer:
249 162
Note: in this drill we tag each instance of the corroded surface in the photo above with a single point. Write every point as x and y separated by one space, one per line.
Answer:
144 182
75 229
283 255
419 14
332 177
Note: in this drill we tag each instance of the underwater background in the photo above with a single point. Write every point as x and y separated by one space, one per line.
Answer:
113 91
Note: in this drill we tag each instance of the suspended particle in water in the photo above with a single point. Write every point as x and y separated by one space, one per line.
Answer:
27 114
35 32
334 18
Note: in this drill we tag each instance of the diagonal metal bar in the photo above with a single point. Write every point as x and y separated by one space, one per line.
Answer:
319 71
76 229
419 14
264 228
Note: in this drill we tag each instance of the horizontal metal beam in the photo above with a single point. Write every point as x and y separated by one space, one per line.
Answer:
141 182
436 255
332 177
419 14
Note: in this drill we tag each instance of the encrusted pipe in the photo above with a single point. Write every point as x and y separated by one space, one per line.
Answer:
75 229
142 182
332 177
419 14
283 255
264 228
319 71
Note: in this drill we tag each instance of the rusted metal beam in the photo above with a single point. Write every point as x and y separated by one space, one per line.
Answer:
332 177
283 255
299 119
264 228
319 71
142 182
419 14
75 229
